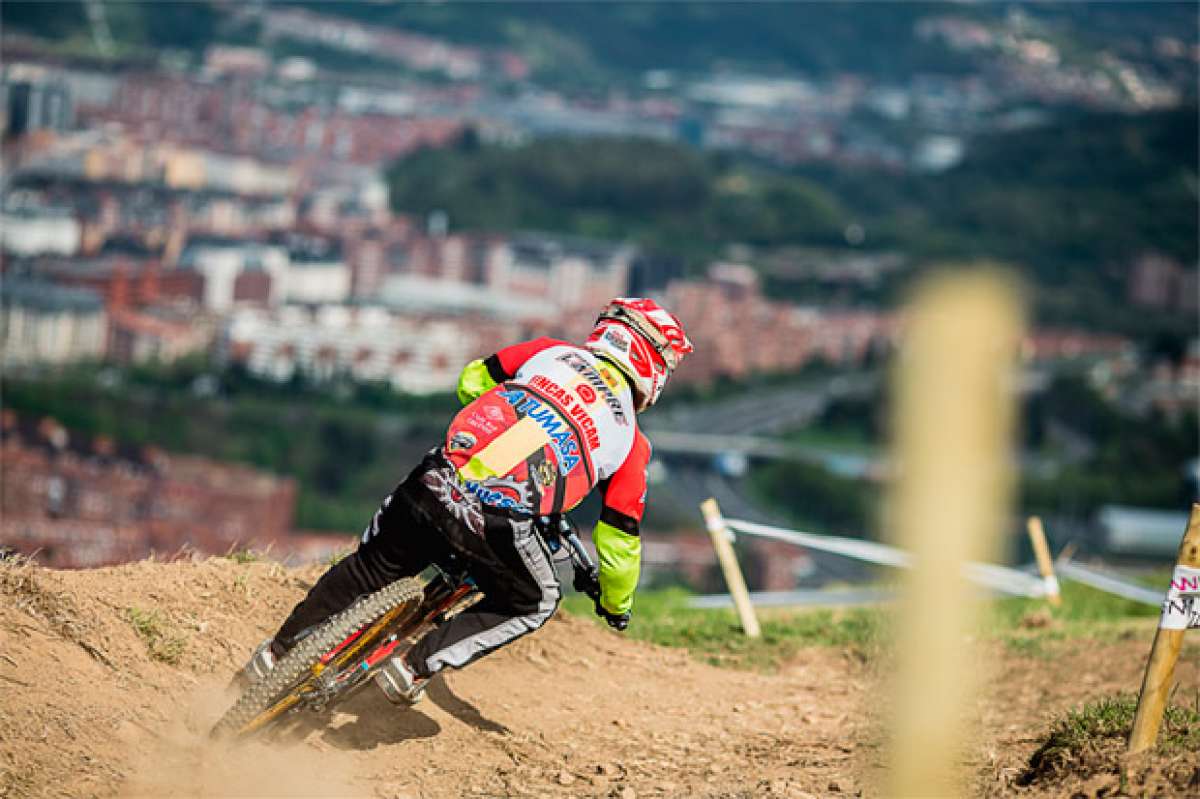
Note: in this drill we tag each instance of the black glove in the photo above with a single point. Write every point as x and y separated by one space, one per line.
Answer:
588 583
618 621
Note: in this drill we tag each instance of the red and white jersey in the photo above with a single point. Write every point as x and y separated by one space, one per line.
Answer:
559 422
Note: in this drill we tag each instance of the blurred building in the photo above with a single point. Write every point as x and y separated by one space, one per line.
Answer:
1059 346
1161 283
414 354
1171 388
738 332
196 169
81 501
568 271
31 227
160 333
36 100
237 271
529 276
316 272
44 323
122 280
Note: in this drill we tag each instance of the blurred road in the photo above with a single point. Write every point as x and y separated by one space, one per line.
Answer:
690 480
761 412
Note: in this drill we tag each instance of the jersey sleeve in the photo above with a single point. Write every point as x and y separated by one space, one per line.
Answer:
617 535
483 374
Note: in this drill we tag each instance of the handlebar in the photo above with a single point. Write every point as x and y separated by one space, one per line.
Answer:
560 529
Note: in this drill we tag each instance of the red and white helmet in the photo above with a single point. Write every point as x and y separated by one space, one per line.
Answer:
644 340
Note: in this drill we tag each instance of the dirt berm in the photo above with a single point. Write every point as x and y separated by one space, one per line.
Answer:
111 678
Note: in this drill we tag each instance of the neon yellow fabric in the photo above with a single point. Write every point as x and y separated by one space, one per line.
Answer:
506 450
474 382
620 563
612 374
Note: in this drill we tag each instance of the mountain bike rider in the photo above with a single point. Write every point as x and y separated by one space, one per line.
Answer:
544 423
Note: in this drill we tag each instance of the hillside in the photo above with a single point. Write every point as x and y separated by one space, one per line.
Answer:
113 676
1071 204
594 45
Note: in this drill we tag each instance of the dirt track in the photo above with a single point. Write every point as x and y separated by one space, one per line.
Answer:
571 711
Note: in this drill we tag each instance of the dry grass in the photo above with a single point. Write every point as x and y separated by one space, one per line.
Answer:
20 582
163 641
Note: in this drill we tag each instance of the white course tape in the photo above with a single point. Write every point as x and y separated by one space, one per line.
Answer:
1109 583
1180 609
989 575
821 598
717 528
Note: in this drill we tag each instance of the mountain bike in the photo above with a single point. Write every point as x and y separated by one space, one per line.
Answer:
341 655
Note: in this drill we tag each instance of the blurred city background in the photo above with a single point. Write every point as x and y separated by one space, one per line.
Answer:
247 247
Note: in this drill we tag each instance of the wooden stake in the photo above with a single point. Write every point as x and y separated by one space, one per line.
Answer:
1037 536
719 532
1064 554
1156 684
954 404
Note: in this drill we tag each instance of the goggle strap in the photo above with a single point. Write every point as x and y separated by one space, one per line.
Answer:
642 327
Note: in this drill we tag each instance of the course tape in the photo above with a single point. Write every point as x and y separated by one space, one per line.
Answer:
1180 609
989 575
821 598
1105 581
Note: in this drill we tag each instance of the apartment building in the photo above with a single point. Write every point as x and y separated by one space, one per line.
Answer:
414 354
44 323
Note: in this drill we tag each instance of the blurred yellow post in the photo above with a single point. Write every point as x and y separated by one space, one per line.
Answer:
953 431
1037 537
1156 684
719 532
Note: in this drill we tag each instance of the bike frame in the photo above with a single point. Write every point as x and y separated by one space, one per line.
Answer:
447 592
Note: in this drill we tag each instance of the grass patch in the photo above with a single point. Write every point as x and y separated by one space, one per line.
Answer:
1078 735
20 581
162 642
1080 604
245 556
1033 627
715 636
1027 627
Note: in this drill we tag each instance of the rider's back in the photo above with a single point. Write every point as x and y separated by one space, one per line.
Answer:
538 442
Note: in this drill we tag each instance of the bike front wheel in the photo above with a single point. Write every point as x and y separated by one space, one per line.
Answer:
391 608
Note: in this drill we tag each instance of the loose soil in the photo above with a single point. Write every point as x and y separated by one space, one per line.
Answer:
91 706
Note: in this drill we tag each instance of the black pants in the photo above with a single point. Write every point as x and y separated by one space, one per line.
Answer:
427 516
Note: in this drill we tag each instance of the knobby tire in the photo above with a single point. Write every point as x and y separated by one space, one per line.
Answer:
297 665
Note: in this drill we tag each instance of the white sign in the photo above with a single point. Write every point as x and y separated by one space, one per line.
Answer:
1180 610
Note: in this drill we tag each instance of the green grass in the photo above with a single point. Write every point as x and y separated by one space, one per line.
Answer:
715 636
1028 627
162 642
1034 628
1106 720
